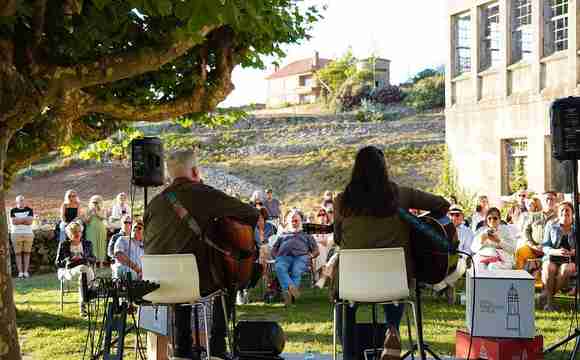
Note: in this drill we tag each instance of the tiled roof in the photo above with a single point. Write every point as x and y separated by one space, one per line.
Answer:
297 67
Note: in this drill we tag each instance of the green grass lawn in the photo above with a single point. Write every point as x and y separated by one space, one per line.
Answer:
48 333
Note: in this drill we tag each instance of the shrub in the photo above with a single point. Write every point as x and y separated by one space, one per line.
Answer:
370 111
428 93
386 95
351 94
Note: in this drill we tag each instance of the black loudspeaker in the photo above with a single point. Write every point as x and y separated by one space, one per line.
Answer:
565 128
259 340
147 162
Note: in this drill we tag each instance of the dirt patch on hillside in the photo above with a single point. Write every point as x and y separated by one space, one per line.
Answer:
45 193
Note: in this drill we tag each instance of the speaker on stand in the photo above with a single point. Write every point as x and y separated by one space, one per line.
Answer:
147 166
565 130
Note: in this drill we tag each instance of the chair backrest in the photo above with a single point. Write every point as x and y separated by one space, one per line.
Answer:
177 276
372 275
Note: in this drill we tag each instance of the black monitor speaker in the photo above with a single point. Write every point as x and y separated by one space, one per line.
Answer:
147 162
565 128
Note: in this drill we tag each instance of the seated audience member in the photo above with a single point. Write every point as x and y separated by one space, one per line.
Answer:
22 236
69 211
328 199
464 233
494 244
263 231
257 198
128 252
533 232
75 257
125 231
120 209
293 252
521 197
324 241
559 250
478 217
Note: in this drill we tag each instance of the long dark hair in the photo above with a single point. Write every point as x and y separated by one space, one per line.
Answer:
370 192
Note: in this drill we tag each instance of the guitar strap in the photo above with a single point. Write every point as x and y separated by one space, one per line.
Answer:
418 225
184 215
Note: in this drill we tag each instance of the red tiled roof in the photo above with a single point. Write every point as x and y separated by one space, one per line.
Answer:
297 67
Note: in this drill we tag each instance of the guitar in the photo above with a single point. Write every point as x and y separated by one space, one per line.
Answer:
238 243
432 245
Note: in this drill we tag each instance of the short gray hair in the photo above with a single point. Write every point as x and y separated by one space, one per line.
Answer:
180 162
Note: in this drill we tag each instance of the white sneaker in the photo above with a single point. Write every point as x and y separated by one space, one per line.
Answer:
21 275
26 274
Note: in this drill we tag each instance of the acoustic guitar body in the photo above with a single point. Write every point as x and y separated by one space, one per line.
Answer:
238 239
432 264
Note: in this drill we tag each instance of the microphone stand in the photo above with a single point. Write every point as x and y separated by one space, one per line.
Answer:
576 334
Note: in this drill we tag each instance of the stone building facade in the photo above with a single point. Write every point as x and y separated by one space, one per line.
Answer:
507 60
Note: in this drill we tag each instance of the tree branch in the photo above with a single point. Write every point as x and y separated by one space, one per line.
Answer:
39 12
121 66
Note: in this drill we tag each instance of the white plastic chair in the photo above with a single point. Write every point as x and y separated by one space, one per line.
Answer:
178 277
372 276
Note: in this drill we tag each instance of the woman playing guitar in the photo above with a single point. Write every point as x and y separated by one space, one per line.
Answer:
366 216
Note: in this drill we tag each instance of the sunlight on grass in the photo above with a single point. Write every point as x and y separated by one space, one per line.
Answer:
48 333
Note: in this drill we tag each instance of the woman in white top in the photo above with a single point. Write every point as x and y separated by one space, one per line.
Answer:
324 241
480 211
494 245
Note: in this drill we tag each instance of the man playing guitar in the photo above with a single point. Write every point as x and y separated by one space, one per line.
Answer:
168 233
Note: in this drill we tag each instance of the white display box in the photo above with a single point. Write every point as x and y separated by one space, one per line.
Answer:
504 303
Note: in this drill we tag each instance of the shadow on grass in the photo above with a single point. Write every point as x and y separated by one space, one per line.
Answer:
30 319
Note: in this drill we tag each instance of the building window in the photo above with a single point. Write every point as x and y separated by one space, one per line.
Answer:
515 165
462 44
556 30
522 34
490 40
306 80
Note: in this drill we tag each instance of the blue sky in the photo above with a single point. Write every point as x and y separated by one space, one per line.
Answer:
410 33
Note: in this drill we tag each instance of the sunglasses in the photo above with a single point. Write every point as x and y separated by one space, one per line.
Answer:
127 222
493 218
138 228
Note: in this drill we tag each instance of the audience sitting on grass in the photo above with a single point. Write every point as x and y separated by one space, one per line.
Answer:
128 251
69 211
559 247
75 257
494 244
478 217
124 231
324 241
293 253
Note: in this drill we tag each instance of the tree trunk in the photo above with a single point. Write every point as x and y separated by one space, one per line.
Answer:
9 346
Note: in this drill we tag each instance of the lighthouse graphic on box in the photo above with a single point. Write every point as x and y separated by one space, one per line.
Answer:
512 320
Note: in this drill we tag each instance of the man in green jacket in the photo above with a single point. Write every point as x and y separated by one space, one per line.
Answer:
167 233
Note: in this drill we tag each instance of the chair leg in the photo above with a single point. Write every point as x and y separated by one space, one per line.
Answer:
61 295
228 330
414 309
334 310
206 328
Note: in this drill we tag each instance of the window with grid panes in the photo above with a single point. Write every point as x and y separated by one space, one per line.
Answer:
556 33
490 49
522 34
462 44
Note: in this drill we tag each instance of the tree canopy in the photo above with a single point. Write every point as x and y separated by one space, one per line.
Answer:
82 68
